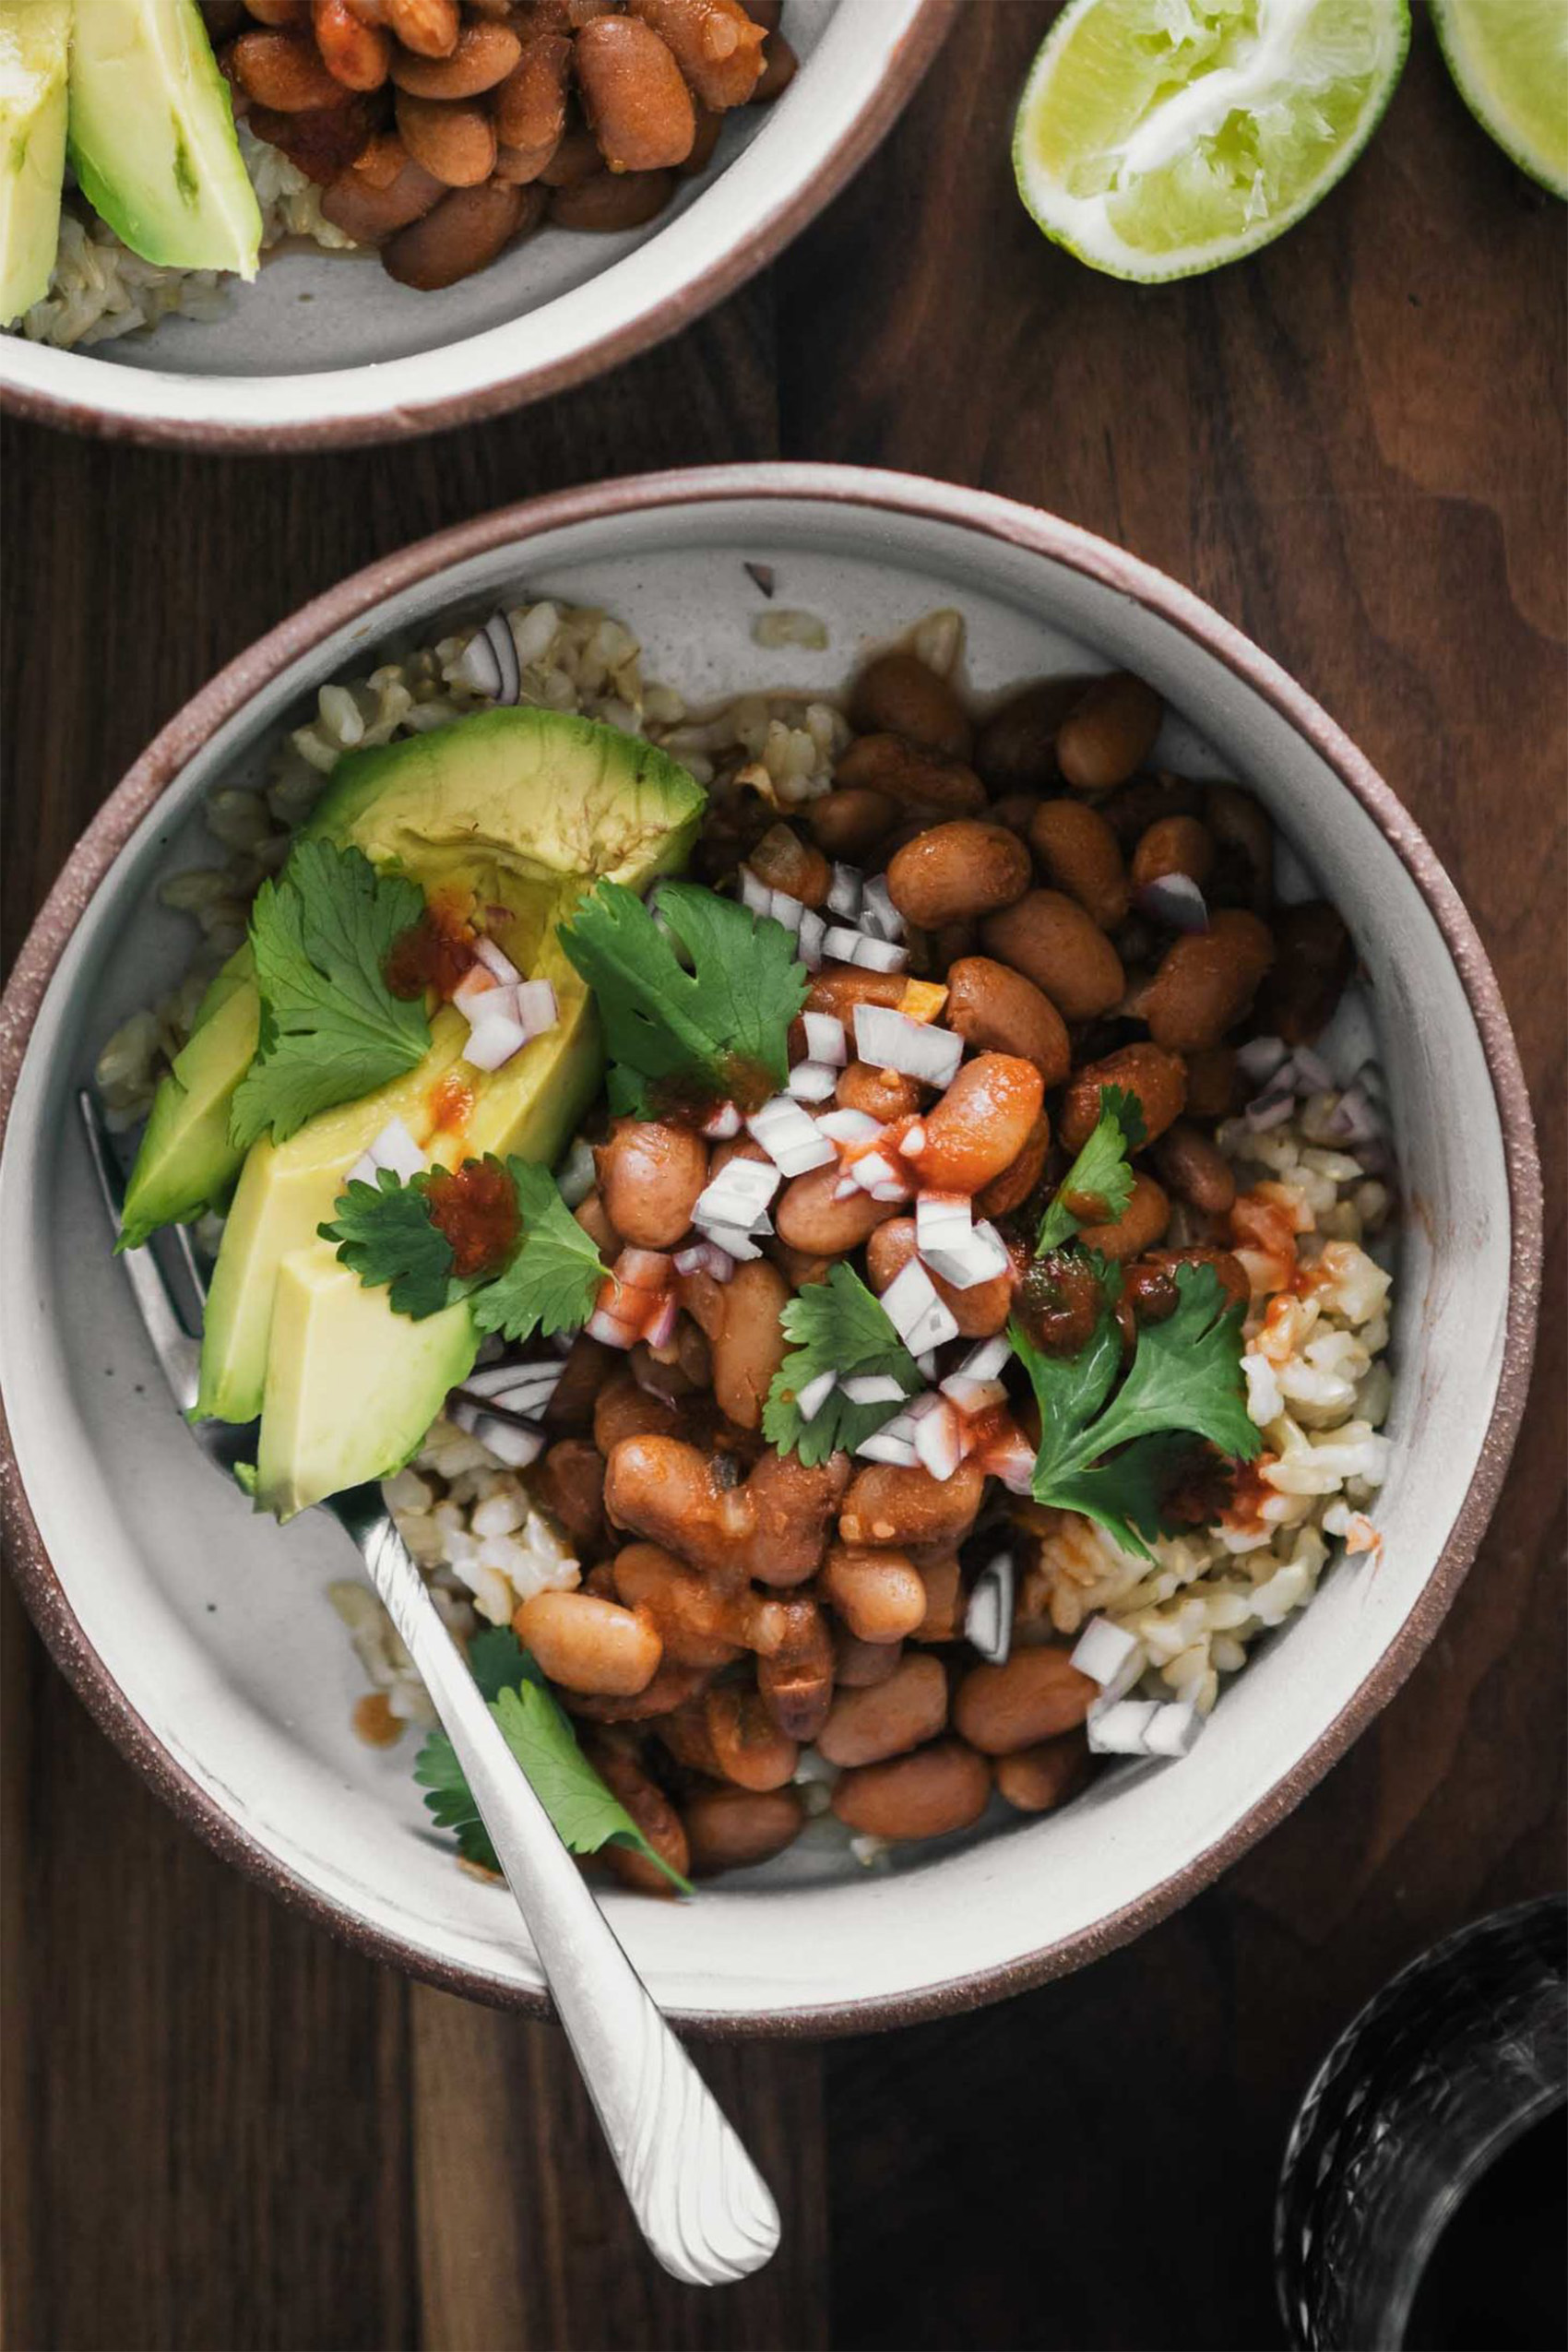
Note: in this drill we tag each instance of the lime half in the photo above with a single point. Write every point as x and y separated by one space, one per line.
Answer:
1510 60
1157 138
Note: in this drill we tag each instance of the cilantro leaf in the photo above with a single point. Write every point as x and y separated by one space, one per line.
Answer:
540 1734
555 1274
498 1661
710 1028
331 1030
835 1326
1185 1382
1102 1171
386 1234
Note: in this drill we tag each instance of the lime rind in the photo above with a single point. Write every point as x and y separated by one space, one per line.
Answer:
1232 176
1518 118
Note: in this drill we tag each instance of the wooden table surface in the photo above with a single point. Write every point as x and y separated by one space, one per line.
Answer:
219 2128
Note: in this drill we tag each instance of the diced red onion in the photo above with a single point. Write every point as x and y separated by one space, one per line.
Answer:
988 1360
882 1446
1011 1458
888 1039
1175 899
791 1136
754 893
1260 1058
739 1196
878 914
1174 1729
1312 1072
706 1257
814 1394
661 1327
1274 1105
812 934
498 636
825 1038
732 1241
987 1620
844 892
477 983
610 1331
536 1007
918 1315
496 1033
1354 1119
1105 1650
1121 1728
936 1441
516 1447
873 1388
813 1081
498 966
722 1123
881 956
973 1396
849 1126
394 1148
643 1270
364 1172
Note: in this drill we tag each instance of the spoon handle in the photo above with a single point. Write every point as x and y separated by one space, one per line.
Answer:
700 2201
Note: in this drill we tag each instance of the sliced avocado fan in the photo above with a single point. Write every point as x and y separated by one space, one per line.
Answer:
34 47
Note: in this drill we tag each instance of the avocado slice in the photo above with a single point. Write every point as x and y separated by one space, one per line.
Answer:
152 135
186 1163
519 808
35 39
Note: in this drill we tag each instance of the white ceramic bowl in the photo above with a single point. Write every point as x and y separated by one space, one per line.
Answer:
326 348
201 1635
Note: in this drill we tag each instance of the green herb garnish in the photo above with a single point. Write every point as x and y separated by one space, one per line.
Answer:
714 1027
1101 1172
555 1272
386 1234
1115 1461
835 1326
331 1029
586 1813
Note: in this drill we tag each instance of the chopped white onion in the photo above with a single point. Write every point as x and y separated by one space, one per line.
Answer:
882 1446
496 1034
988 1360
516 1447
739 1196
396 1148
825 1038
874 1174
888 1039
915 1312
814 1394
734 1242
1120 1729
873 1388
987 1620
926 1362
844 892
1260 1058
536 1007
849 1126
1174 1729
813 1081
706 1257
973 1396
1176 899
937 1441
662 1329
1354 1117
478 666
791 1136
785 909
1312 1072
477 983
963 1253
720 1124
881 956
364 1170
502 1383
1011 1458
839 943
813 931
878 914
1104 1650
913 1141
755 893
498 966
610 1331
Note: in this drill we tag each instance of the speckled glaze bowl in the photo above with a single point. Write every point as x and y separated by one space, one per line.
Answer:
201 1636
324 349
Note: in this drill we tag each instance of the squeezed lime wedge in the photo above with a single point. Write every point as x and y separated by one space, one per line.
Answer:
1509 59
1159 137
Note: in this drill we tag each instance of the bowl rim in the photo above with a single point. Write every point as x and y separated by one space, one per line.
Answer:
403 420
988 516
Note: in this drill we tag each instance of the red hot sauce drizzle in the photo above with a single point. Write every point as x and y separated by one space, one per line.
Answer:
436 952
476 1207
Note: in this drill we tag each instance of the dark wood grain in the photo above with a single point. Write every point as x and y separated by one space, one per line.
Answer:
219 2130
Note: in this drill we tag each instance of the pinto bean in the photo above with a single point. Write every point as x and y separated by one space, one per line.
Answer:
859 1665
979 1312
1138 1228
570 1481
980 1124
699 1623
838 988
611 201
1314 957
530 105
898 693
574 160
1038 1779
716 44
464 232
672 1687
1244 837
1173 845
708 129
1012 1188
1108 732
885 1505
650 1173
1053 941
849 823
881 1094
589 1645
809 1217
944 1580
1195 1169
1082 856
1015 749
483 57
786 862
993 1006
1207 981
773 1528
283 70
1211 1082
354 53
957 872
276 13
653 1813
748 1345
865 1727
430 27
638 105
367 212
520 167
623 1408
456 143
1036 1695
735 1829
747 1744
1158 1078
584 1374
910 776
879 1595
929 1794
795 1682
